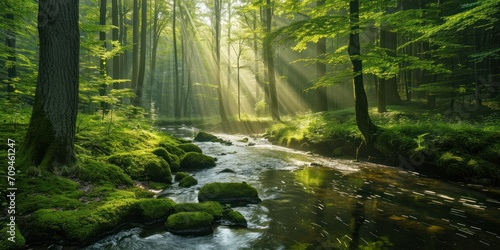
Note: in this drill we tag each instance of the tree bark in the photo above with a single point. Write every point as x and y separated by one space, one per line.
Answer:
218 10
270 66
177 104
102 62
135 46
142 63
365 125
49 141
115 36
321 92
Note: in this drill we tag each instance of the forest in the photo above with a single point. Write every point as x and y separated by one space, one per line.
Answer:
250 124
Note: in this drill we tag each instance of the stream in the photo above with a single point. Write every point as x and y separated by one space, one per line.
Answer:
313 202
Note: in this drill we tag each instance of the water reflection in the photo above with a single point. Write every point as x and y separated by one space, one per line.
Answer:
335 204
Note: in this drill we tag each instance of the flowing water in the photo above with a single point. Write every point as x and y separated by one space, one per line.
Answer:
311 202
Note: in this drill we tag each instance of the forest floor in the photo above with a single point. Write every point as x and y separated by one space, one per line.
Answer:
450 144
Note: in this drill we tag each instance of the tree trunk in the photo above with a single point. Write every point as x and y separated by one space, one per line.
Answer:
115 37
321 92
270 66
50 138
102 63
142 63
177 104
135 48
10 41
222 111
365 125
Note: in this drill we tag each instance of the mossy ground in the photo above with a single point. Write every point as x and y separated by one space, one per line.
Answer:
78 204
190 223
409 136
212 207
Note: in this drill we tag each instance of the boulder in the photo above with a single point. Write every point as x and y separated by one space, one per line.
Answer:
190 223
189 147
204 137
233 218
229 193
211 207
194 160
188 181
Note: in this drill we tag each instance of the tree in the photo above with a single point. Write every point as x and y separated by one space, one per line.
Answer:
49 141
142 62
116 42
102 61
365 124
269 58
218 10
321 92
177 95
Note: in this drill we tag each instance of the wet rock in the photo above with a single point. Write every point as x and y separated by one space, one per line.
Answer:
153 210
212 207
226 170
180 175
194 160
245 140
205 137
188 181
190 147
233 218
229 193
190 223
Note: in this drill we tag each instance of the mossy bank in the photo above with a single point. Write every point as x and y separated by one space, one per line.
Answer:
428 143
118 164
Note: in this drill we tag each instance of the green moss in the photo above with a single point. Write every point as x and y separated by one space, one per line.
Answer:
235 218
180 175
193 160
188 181
79 226
191 223
163 153
204 137
190 147
143 193
140 165
212 207
233 193
106 193
13 239
158 170
100 173
152 210
172 149
455 166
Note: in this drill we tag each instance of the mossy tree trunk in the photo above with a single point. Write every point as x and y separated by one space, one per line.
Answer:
363 120
269 57
50 138
142 60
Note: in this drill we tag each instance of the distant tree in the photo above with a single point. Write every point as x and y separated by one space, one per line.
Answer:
49 141
321 92
269 58
177 88
218 13
116 42
142 62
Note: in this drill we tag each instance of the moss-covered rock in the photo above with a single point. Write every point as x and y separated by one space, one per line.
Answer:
188 181
140 165
163 153
204 137
229 193
101 173
185 180
13 238
80 226
190 223
212 207
180 175
190 147
193 160
158 170
154 210
233 218
172 149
